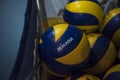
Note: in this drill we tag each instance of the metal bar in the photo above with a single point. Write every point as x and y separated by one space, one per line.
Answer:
42 15
42 27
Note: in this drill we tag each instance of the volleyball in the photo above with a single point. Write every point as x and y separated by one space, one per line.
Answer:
64 49
113 73
85 14
102 56
111 26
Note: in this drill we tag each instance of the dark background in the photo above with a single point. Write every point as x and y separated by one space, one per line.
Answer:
11 27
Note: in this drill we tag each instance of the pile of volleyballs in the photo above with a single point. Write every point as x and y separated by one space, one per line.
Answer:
85 46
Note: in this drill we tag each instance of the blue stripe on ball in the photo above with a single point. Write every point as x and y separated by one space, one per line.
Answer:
113 76
112 26
52 46
80 19
66 69
98 50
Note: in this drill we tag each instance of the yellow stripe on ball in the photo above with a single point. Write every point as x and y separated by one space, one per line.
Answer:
53 21
80 53
88 7
88 29
116 37
41 41
58 31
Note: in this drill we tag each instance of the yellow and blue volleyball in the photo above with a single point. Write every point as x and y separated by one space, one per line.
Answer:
113 73
83 77
86 14
64 49
102 56
111 26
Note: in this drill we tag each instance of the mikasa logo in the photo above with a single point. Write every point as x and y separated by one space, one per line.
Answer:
61 46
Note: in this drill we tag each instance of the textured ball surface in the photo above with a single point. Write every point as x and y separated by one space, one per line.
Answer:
86 14
102 56
83 77
113 73
64 49
111 26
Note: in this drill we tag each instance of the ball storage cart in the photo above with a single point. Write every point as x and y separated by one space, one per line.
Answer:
42 15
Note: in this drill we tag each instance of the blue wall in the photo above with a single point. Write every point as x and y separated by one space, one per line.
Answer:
11 27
